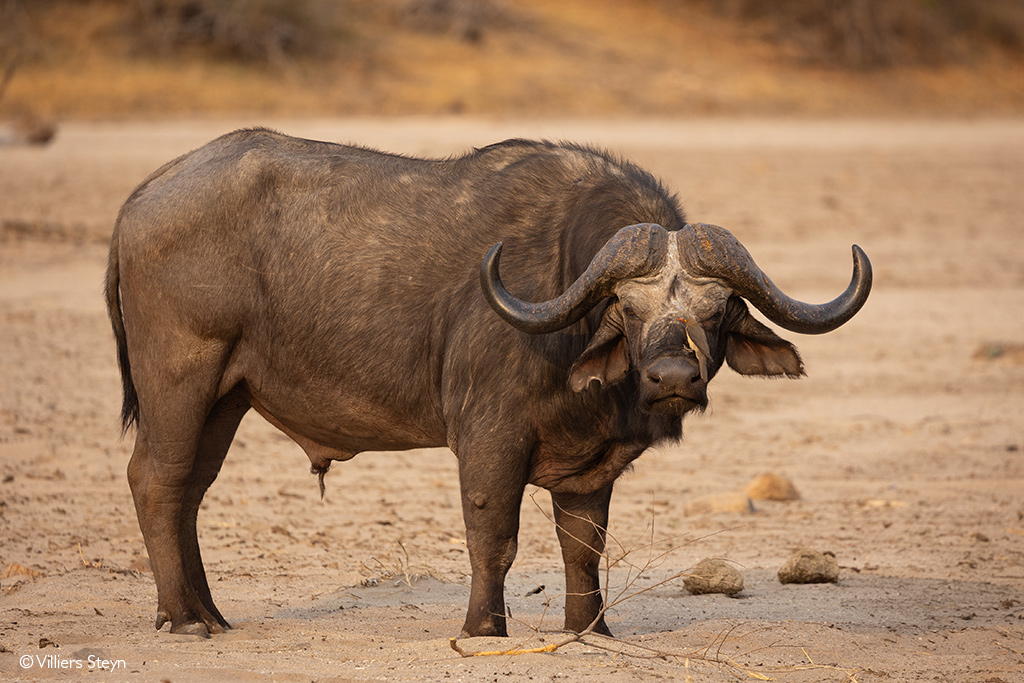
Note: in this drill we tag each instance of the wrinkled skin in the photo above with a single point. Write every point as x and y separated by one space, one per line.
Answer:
335 290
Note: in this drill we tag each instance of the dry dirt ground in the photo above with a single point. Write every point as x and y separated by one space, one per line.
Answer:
905 441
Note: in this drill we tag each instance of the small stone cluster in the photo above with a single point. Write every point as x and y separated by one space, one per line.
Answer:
713 575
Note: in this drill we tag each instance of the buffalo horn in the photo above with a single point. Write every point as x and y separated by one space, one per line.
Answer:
713 252
633 251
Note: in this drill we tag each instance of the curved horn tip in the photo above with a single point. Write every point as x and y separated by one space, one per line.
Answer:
489 266
861 260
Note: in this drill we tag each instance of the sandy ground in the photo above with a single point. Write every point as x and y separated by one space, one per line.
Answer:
905 441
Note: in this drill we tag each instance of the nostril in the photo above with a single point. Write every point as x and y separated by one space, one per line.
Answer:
674 374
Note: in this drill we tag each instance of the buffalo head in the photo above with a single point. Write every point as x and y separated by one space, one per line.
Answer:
674 312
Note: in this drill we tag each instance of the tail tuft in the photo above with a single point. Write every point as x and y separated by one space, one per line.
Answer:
130 405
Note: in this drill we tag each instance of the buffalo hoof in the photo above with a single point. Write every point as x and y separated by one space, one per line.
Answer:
200 628
483 634
485 630
215 627
194 628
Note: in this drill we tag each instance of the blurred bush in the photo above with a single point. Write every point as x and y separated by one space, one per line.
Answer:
866 34
256 31
859 34
248 30
469 20
272 30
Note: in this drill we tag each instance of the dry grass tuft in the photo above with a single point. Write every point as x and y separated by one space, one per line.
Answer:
397 565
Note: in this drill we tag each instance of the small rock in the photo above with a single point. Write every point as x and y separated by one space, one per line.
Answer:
772 486
810 566
722 502
713 576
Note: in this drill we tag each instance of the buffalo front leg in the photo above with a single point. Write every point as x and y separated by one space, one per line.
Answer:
492 493
580 522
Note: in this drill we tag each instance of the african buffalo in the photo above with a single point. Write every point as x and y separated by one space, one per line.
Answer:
337 291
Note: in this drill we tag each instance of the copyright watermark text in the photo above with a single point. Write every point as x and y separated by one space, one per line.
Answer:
90 663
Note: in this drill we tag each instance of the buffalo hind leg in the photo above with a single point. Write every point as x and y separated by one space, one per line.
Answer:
175 400
581 522
492 493
214 441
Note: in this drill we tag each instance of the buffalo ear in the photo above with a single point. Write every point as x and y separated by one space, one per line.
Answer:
753 349
606 358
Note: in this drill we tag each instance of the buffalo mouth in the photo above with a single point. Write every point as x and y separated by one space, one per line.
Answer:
675 405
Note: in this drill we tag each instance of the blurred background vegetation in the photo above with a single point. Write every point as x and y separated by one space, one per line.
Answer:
123 58
869 34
